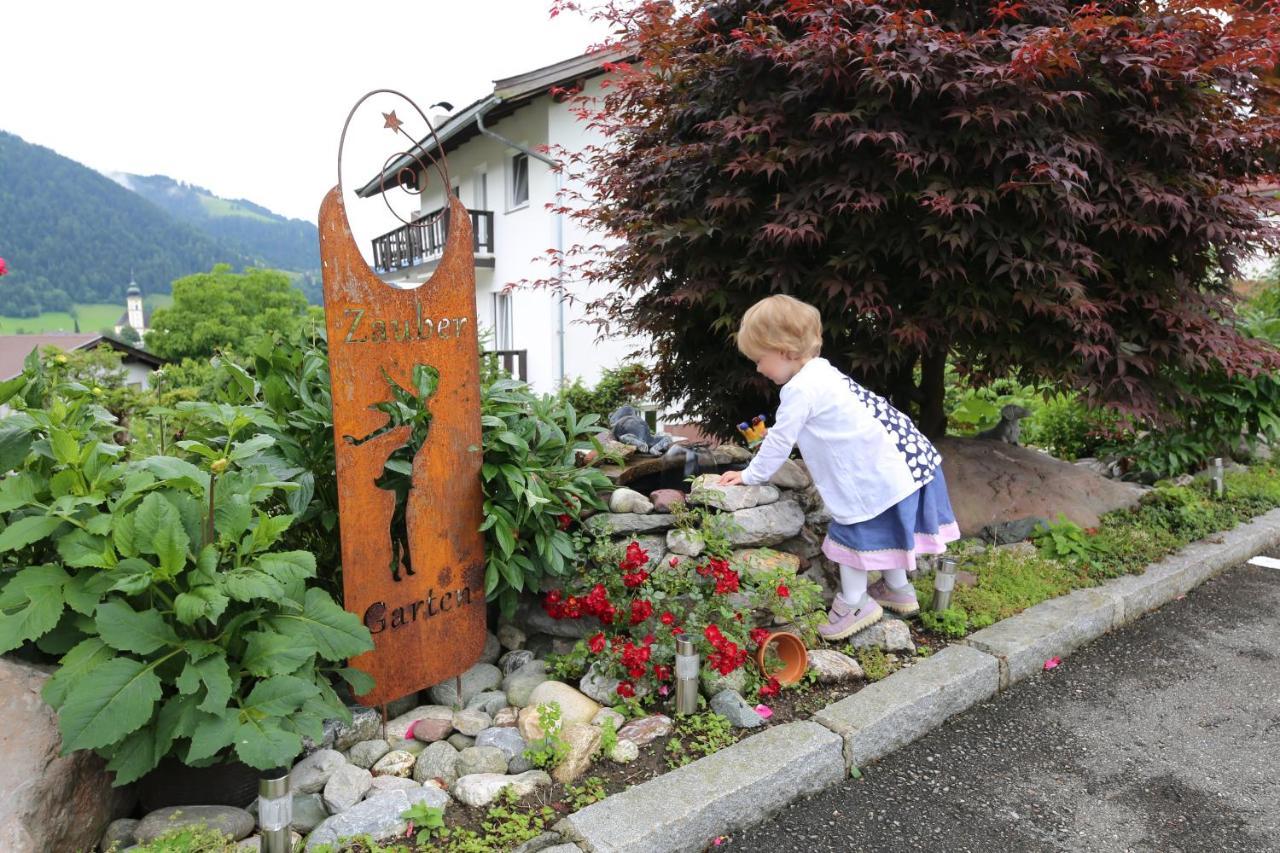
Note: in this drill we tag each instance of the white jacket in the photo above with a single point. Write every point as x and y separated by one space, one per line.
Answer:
863 454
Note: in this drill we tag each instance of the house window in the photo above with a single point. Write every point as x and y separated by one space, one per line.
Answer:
519 180
480 188
502 321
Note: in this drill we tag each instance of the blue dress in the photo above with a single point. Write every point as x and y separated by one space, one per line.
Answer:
921 523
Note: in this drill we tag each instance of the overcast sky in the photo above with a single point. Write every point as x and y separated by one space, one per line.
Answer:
248 98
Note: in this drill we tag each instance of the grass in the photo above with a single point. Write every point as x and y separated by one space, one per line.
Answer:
223 207
93 316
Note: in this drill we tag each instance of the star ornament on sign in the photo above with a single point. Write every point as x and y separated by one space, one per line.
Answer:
391 122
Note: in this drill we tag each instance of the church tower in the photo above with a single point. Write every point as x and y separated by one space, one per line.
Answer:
133 307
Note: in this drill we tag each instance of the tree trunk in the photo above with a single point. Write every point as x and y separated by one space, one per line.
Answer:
933 414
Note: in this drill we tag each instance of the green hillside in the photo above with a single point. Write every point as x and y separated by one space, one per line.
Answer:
93 317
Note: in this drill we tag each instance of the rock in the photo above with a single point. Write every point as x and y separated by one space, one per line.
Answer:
608 714
1100 467
655 546
664 500
481 677
707 490
806 545
536 620
377 816
508 740
714 683
624 752
892 635
541 842
514 660
730 454
792 475
583 741
731 705
396 707
437 761
511 637
1010 532
646 730
620 523
506 717
481 759
519 685
492 651
528 724
833 667
460 741
230 821
471 723
308 812
346 787
598 686
574 706
399 726
488 702
766 525
818 517
119 833
992 482
413 747
366 753
626 500
432 730
759 564
312 773
364 725
394 763
481 789
686 543
50 801
389 783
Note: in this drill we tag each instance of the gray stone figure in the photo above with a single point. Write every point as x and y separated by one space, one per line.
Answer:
1009 427
629 428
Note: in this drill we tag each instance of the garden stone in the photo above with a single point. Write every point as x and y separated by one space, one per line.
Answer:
460 741
437 761
389 783
628 500
819 517
608 714
394 763
574 706
529 725
714 683
481 677
707 490
833 667
311 774
492 651
686 543
766 525
506 717
521 684
806 545
480 789
1010 532
411 746
756 564
50 801
364 725
511 637
542 842
398 727
729 454
377 816
791 475
729 704
583 741
622 523
654 546
237 823
308 812
599 686
395 708
346 787
519 764
538 621
509 741
646 730
471 723
624 752
514 660
481 759
432 730
487 702
120 833
664 500
366 753
892 635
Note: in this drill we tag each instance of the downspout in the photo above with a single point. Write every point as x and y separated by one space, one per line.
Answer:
559 220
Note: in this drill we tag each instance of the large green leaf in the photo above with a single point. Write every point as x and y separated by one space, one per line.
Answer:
213 673
177 718
87 655
16 490
66 450
135 756
109 702
129 630
153 515
268 653
9 387
286 566
123 535
85 590
15 444
31 604
336 633
202 602
248 584
24 531
170 545
360 682
277 696
81 549
175 471
130 576
265 745
213 734
232 515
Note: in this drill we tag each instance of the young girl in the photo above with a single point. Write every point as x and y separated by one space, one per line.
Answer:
879 477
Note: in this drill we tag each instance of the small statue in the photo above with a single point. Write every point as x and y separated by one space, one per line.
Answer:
1008 429
629 428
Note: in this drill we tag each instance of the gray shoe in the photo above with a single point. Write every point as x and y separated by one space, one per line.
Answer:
845 621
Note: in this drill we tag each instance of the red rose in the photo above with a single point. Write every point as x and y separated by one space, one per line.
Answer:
667 618
626 689
771 688
783 592
759 635
596 642
677 630
648 639
662 672
564 521
673 562
640 610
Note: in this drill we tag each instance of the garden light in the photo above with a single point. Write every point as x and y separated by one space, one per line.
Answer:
275 812
1219 482
686 677
944 580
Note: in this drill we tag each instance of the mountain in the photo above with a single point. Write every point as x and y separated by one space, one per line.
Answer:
285 244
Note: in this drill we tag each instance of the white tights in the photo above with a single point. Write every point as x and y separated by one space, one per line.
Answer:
853 582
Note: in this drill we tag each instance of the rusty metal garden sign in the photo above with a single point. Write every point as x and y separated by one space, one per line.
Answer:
404 366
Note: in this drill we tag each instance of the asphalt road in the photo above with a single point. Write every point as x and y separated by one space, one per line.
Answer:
1164 736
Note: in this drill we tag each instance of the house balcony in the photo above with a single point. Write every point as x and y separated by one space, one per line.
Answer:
416 248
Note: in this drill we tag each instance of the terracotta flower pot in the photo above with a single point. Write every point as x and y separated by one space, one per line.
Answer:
791 650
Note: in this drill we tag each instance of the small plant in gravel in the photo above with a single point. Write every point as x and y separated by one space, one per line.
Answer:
952 623
549 750
505 827
608 736
199 838
873 662
425 820
698 735
588 791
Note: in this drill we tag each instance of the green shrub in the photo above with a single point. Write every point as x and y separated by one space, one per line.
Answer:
619 386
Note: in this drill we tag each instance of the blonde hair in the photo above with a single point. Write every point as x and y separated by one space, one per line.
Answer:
780 324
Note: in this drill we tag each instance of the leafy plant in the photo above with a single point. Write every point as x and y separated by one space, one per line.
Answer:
618 386
1063 540
425 819
873 662
505 827
198 838
182 625
952 622
608 736
698 735
549 750
589 790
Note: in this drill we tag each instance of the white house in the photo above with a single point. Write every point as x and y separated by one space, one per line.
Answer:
494 150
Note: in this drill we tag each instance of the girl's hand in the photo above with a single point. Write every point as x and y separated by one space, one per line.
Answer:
731 478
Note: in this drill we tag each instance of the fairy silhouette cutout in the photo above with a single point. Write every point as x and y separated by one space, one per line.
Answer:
405 408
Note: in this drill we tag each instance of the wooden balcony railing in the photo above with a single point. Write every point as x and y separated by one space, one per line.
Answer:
422 241
515 362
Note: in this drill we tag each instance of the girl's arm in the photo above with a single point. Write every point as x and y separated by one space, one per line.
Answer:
781 437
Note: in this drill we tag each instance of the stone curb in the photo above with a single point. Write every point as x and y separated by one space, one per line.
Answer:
743 785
